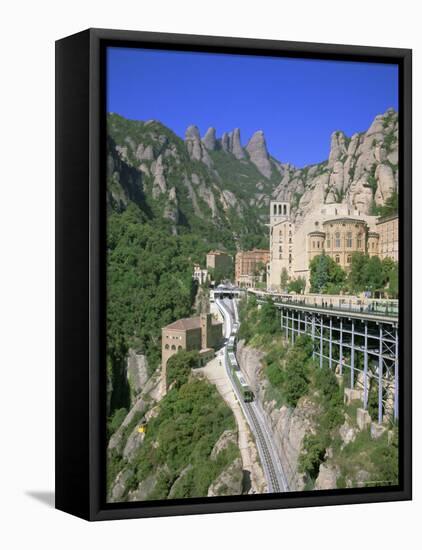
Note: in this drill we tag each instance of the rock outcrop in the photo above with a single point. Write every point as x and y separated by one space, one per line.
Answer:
229 482
258 153
209 139
195 147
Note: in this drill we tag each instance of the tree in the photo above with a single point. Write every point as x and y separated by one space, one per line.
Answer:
356 278
297 285
326 274
391 274
269 318
179 366
374 275
391 206
296 375
284 279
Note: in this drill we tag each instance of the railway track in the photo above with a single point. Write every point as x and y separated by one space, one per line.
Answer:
273 471
273 482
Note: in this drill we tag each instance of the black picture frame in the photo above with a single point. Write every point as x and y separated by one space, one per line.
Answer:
80 272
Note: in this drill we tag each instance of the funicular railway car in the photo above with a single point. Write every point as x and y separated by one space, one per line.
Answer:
243 387
231 346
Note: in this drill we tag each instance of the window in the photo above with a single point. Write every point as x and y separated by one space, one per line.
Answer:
275 209
290 240
359 241
349 240
373 245
179 348
290 258
318 244
349 258
313 244
173 347
167 346
337 240
284 209
280 249
328 240
337 259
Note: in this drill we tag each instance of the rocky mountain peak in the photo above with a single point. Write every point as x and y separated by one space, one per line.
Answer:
338 147
258 153
195 147
209 139
236 147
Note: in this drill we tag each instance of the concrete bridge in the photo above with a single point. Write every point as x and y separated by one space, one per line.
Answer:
363 345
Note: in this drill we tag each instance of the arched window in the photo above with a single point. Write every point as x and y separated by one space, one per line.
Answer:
337 240
179 348
313 244
279 208
173 347
349 240
284 209
166 346
317 244
275 209
359 240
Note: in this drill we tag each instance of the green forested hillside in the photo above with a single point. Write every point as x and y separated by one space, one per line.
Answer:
166 210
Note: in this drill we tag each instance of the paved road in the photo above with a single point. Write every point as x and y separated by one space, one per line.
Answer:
253 412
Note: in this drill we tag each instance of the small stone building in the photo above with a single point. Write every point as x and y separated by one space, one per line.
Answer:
202 333
216 259
388 229
248 266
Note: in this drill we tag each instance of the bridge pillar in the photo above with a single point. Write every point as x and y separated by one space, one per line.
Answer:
293 327
321 342
396 376
365 369
313 335
380 378
331 343
352 356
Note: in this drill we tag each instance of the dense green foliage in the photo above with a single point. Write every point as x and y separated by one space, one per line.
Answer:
284 279
327 277
366 274
373 274
149 284
191 418
179 367
297 285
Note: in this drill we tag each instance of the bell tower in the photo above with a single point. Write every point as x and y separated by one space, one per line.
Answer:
279 211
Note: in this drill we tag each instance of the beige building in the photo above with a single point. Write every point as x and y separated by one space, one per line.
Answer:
388 230
199 274
202 333
216 259
339 238
248 265
282 238
335 229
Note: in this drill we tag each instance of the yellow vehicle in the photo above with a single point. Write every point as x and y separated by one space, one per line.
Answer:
142 428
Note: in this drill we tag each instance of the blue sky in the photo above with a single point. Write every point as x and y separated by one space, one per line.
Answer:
298 103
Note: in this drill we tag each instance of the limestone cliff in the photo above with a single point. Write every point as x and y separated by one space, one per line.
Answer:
361 171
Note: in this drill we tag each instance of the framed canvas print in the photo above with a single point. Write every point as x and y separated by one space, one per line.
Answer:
233 274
